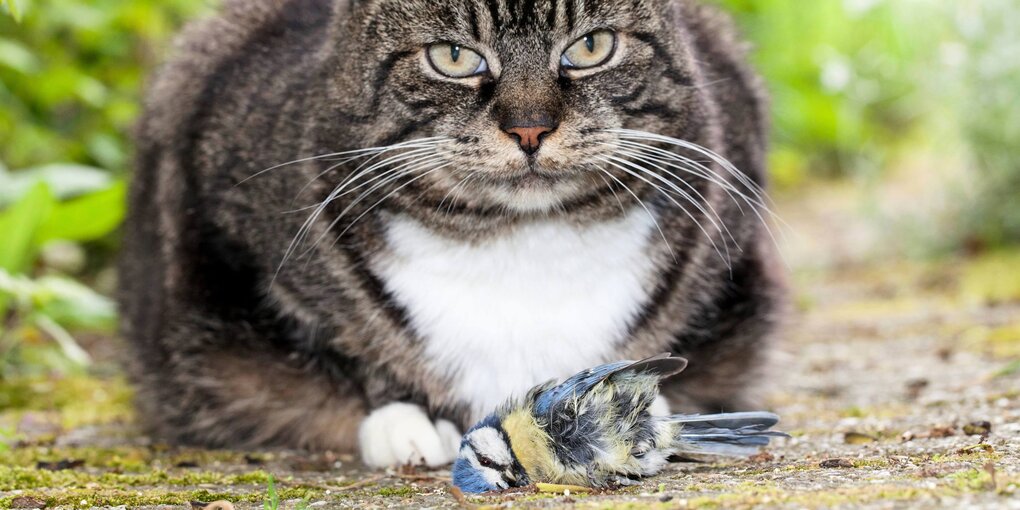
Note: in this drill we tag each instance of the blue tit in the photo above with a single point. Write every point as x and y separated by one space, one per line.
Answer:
595 429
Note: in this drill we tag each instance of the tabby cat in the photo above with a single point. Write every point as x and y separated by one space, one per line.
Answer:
358 225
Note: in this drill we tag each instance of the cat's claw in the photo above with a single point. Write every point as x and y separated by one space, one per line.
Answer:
399 434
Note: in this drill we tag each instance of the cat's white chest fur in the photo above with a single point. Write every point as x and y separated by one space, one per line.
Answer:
544 302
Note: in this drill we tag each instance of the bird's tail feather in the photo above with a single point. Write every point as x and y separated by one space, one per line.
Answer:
729 434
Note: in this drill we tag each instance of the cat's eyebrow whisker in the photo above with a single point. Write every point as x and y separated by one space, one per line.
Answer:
720 226
354 154
669 246
617 163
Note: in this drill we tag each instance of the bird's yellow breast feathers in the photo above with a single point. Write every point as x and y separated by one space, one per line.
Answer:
531 445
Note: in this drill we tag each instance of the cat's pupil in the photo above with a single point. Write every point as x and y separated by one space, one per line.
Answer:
589 41
455 53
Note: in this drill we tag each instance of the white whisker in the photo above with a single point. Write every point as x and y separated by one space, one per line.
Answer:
719 225
393 176
387 197
758 203
355 154
648 211
613 191
617 163
421 153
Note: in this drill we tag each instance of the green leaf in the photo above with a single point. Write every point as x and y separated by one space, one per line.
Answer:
73 305
273 501
65 180
19 226
16 56
12 8
88 218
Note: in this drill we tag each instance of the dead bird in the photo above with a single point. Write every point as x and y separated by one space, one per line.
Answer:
596 429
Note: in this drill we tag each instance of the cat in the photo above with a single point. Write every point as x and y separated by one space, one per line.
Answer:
358 226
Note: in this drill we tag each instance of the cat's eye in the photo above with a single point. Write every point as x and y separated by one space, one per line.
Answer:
592 50
455 61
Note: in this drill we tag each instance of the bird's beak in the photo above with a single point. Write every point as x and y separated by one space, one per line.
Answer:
516 476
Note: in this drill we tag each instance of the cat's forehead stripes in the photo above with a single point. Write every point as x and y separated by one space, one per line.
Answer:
490 19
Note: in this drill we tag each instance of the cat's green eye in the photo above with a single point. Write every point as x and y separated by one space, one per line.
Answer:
592 50
455 61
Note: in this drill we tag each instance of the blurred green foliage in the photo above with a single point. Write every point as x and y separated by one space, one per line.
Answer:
71 73
847 79
990 116
860 85
71 76
51 303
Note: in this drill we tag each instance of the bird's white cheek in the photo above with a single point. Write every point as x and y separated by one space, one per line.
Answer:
495 479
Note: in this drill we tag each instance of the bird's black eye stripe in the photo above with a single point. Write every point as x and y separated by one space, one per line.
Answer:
489 463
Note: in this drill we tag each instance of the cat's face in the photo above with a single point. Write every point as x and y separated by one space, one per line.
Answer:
521 92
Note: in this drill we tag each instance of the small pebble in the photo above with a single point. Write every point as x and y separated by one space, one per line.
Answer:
858 438
978 428
836 463
27 502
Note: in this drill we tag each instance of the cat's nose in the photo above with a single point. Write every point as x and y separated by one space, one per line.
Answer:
530 137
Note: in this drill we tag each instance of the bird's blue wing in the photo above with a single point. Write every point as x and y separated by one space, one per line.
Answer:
662 365
576 385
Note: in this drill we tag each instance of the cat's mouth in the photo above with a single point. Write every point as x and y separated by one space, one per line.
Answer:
529 188
532 176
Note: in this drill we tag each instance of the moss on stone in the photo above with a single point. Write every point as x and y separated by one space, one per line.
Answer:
19 478
106 497
397 492
78 400
992 279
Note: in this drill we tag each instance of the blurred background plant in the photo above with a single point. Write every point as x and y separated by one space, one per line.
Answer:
71 73
865 93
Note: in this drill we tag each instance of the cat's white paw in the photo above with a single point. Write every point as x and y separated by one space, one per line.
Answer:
660 407
400 434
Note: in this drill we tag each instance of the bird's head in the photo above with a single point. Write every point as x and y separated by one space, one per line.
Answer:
486 461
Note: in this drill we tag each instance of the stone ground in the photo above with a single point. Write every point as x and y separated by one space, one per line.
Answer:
899 382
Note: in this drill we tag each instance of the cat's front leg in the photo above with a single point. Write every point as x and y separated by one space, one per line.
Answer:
399 433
